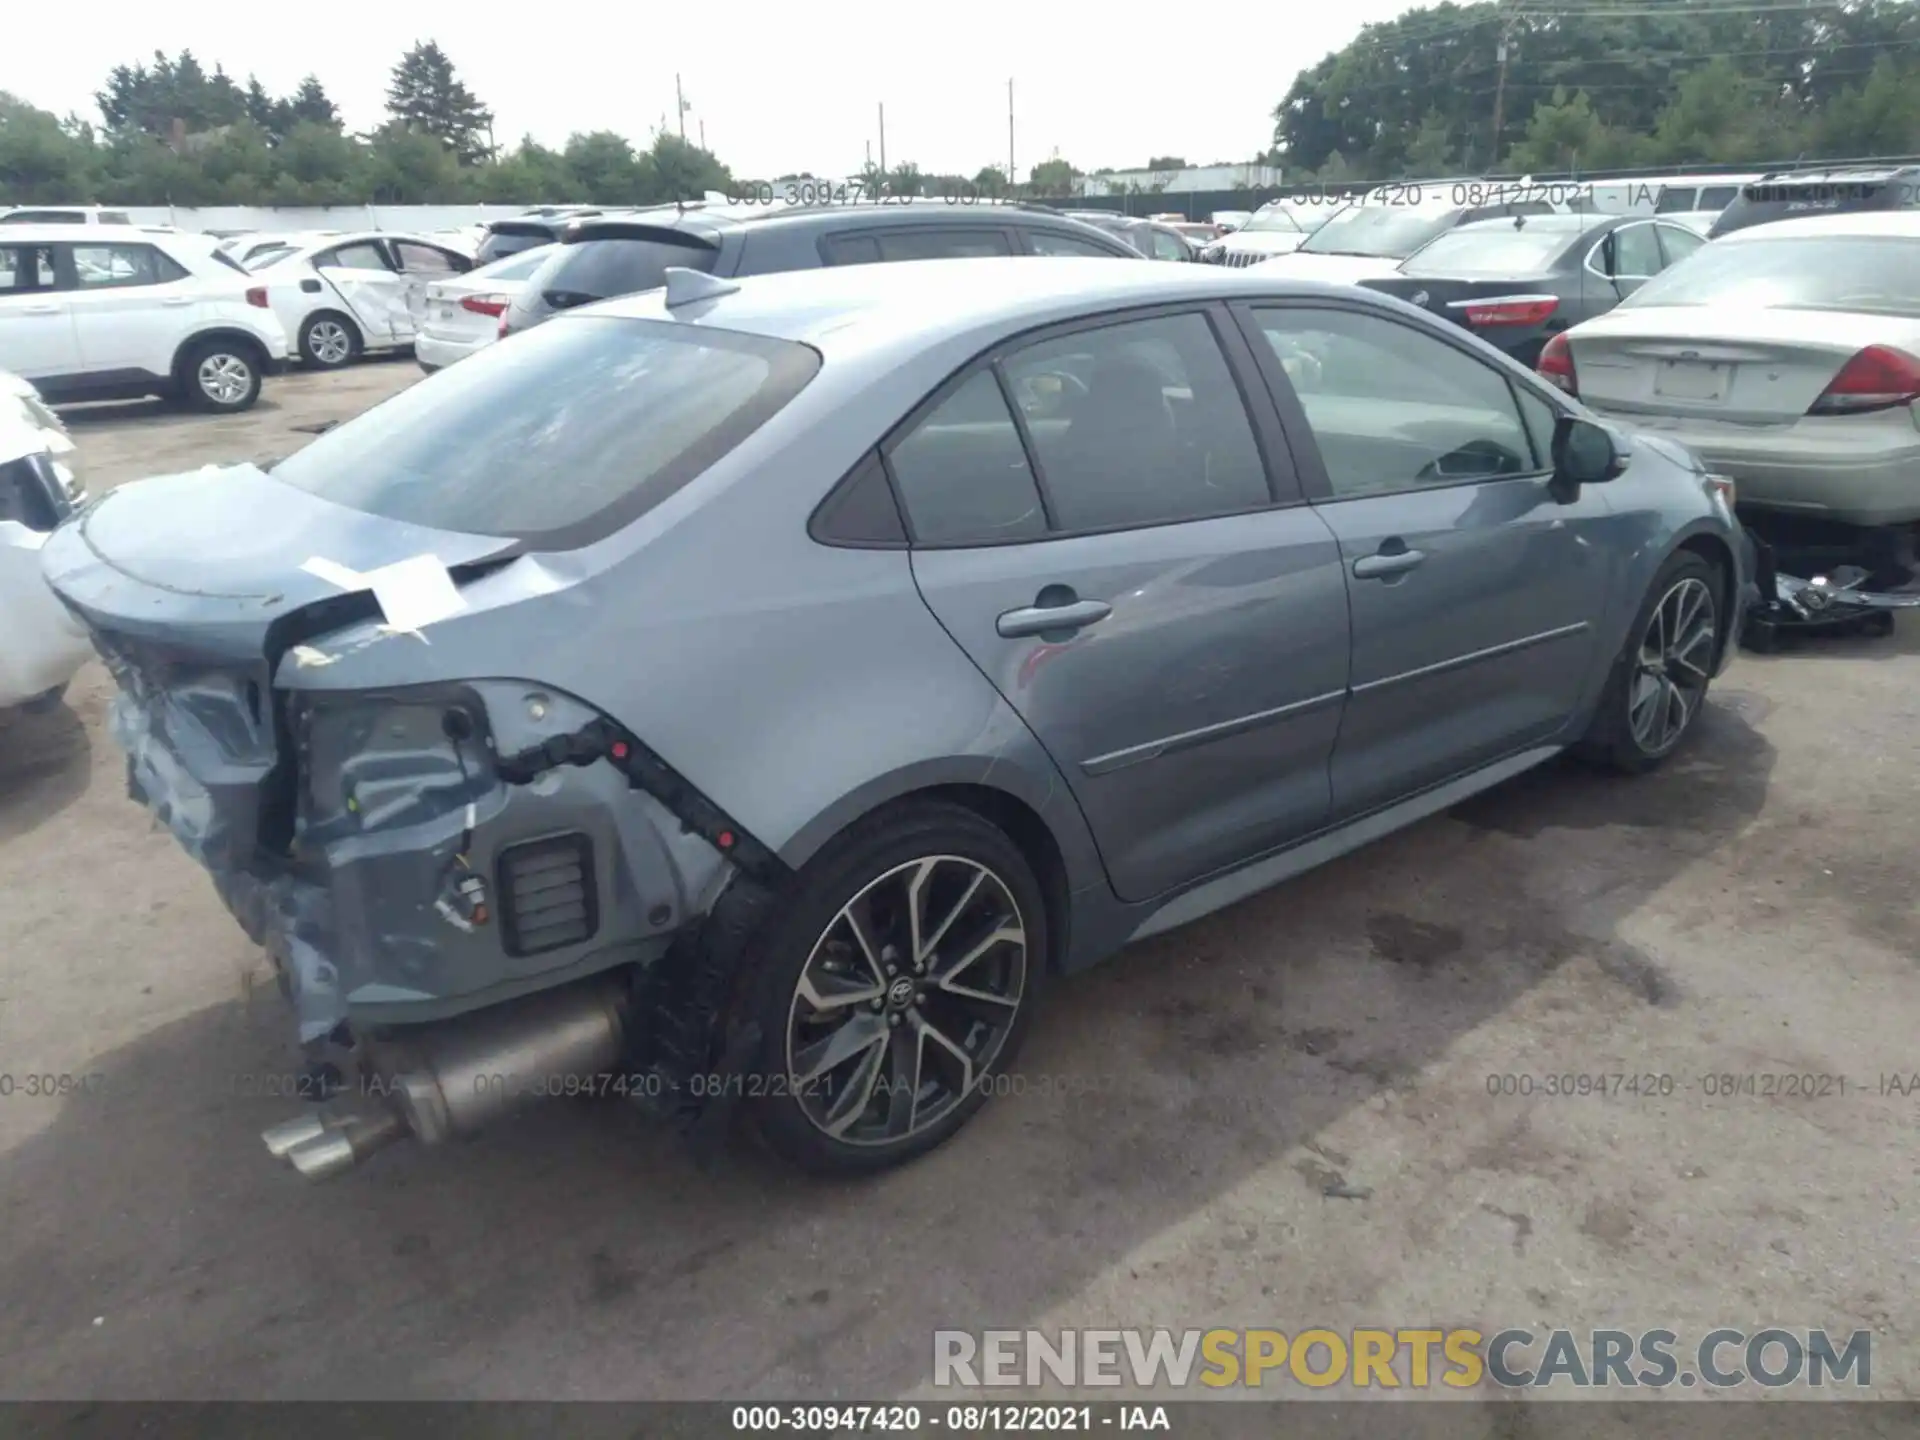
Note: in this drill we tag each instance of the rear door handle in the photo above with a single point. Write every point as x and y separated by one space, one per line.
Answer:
1378 567
41 309
1046 619
178 300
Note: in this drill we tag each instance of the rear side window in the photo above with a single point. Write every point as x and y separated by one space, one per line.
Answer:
364 256
963 473
26 267
597 269
929 242
561 437
1676 200
45 217
1138 424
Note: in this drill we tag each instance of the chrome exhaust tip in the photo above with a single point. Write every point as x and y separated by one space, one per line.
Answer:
341 1147
288 1134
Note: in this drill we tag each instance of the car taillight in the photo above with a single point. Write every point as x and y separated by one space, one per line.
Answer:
1878 378
257 297
503 326
1555 365
484 304
1508 310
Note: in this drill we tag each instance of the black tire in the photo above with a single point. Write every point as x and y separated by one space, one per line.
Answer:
46 701
317 340
787 1110
221 376
1613 740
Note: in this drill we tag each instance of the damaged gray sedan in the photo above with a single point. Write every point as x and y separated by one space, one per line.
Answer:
747 694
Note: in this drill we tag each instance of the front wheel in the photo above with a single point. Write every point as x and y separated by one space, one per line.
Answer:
895 987
1659 683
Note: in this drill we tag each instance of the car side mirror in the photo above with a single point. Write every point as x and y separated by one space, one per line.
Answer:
1583 454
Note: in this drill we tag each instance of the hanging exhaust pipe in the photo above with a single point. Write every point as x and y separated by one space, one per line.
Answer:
457 1077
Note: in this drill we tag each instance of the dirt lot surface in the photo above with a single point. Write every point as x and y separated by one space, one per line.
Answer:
1753 910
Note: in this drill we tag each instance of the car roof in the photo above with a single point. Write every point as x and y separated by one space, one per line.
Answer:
1826 174
1903 223
911 304
714 219
1557 223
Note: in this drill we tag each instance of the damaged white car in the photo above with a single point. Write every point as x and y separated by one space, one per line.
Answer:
43 644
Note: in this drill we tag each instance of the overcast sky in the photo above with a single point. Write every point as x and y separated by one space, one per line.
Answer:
780 88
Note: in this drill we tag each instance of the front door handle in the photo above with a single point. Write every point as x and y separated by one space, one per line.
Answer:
1055 610
41 309
178 300
1387 563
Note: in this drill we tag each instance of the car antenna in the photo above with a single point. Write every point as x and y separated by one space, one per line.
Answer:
685 286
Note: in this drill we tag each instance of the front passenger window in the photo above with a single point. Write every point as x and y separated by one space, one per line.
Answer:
1392 408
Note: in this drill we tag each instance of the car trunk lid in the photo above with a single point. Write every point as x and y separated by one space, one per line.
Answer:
193 588
1754 367
1501 310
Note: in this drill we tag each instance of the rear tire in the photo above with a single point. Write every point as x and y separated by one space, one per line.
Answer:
329 340
918 1040
221 376
1659 683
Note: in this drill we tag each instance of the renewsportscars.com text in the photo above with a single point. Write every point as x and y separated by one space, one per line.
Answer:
1403 1358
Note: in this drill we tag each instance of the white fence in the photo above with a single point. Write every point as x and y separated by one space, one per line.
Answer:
416 218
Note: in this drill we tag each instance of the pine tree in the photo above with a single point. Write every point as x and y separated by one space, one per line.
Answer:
429 99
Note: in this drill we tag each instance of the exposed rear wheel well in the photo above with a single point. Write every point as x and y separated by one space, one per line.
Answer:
1022 825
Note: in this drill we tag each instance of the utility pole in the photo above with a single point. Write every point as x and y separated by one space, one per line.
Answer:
883 138
1011 180
1503 49
703 134
680 103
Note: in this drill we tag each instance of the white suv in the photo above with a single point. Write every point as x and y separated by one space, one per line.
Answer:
107 312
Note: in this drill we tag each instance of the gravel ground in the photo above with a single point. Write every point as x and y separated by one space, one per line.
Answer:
1750 911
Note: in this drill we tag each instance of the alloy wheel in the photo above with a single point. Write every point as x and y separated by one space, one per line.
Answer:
905 1000
224 379
329 341
1672 667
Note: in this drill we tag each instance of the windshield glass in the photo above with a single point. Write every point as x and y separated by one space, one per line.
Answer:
1498 250
1275 219
1384 231
1877 275
514 267
576 426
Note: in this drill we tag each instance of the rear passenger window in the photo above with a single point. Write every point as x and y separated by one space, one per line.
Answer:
103 267
963 473
850 250
1138 424
352 257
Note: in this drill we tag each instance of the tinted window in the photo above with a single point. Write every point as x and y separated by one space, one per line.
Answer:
1636 252
499 244
26 267
1677 242
45 217
1499 250
1392 408
364 256
1138 424
597 269
1866 274
424 259
861 510
850 250
109 267
115 217
579 424
1675 199
1718 197
963 473
1052 242
940 242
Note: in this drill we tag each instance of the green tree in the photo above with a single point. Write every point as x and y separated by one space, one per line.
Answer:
990 180
1166 162
1052 178
675 169
906 179
310 105
602 168
1564 134
426 97
1880 116
1430 152
408 166
40 160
